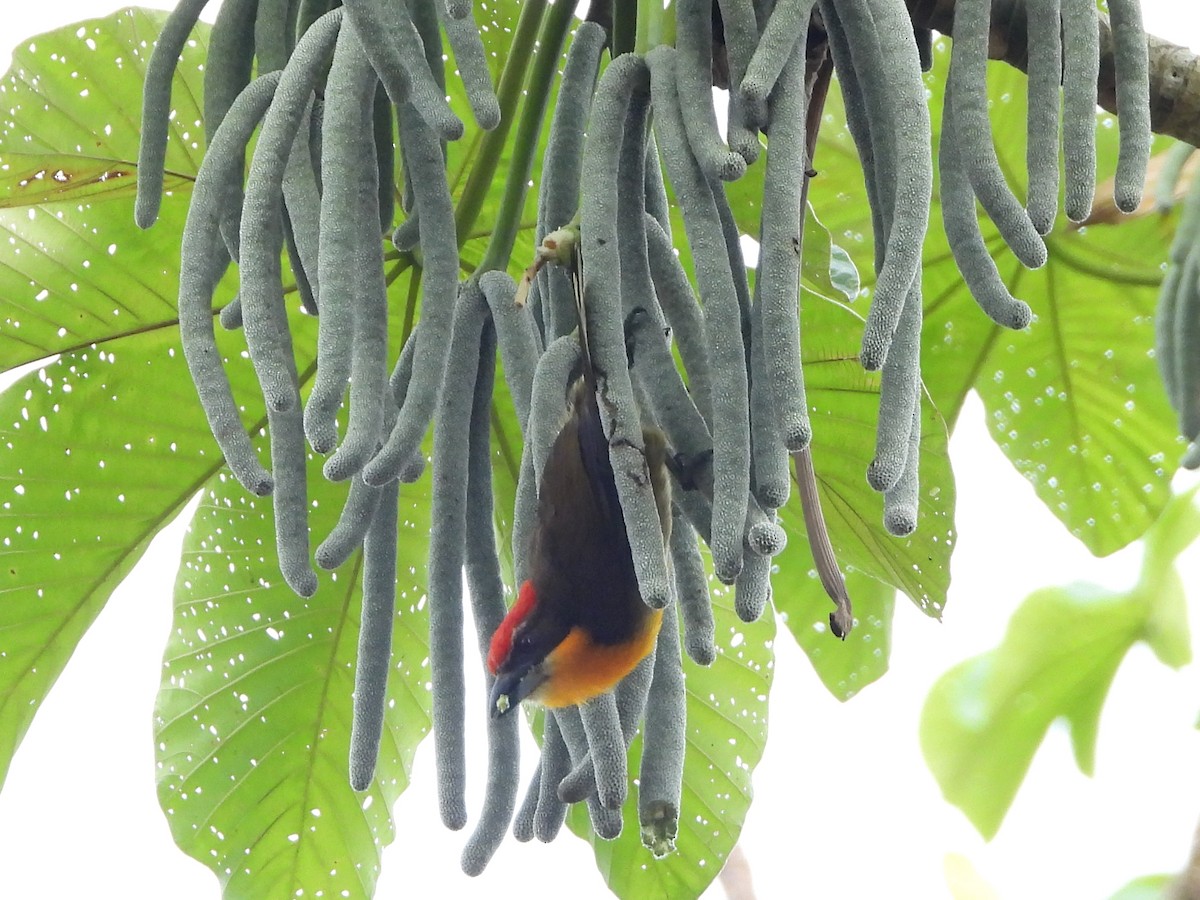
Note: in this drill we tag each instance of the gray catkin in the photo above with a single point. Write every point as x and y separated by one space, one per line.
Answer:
302 215
862 123
156 108
1131 66
1168 175
549 394
752 590
971 254
741 38
308 12
446 543
630 698
973 137
722 312
625 77
407 235
788 21
517 339
1045 81
316 139
385 157
605 822
396 53
558 193
471 60
263 311
1187 339
374 639
764 535
770 481
231 312
737 262
230 60
636 286
347 535
426 21
556 763
657 204
905 172
486 589
271 35
900 503
664 743
654 367
924 39
693 40
201 250
1167 330
653 363
683 314
423 157
602 724
898 395
691 587
288 465
458 9
365 282
782 232
524 514
345 196
523 821
304 286
1081 68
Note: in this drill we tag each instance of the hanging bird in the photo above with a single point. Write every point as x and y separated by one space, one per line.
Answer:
579 624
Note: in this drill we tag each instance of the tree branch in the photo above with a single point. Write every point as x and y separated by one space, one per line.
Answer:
1174 70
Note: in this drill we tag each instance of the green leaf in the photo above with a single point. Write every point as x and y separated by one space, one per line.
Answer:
844 667
106 444
727 731
77 270
252 724
984 719
102 448
1075 401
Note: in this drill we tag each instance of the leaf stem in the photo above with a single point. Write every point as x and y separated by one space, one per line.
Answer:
652 26
537 98
509 94
626 18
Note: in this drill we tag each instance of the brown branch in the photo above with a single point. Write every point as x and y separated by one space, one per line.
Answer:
1174 70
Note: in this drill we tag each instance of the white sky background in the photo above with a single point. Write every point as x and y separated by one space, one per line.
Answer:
845 805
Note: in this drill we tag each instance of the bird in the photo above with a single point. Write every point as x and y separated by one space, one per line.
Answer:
579 624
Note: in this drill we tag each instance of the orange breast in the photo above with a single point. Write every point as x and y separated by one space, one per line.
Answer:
581 669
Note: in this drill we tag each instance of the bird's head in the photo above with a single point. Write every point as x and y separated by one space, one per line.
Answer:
537 656
520 652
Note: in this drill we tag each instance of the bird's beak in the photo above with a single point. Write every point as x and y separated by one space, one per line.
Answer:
510 688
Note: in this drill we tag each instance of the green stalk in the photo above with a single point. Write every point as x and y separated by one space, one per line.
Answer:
537 98
653 23
508 94
625 26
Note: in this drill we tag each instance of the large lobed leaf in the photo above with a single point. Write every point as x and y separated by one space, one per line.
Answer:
105 444
1075 401
984 719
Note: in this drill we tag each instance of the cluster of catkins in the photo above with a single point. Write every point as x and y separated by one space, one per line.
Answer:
331 85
